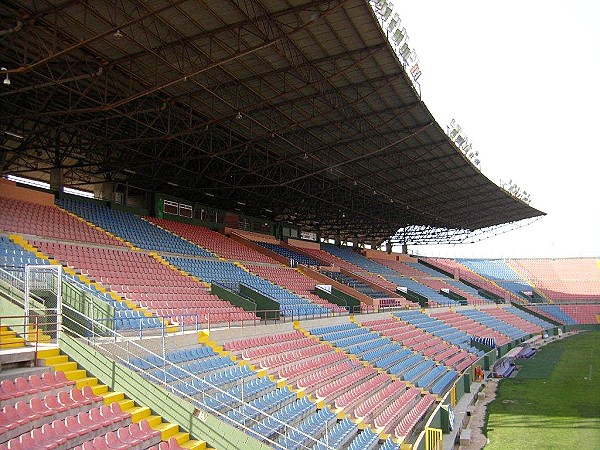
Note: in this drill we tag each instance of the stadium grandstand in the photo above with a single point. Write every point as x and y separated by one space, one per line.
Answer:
201 203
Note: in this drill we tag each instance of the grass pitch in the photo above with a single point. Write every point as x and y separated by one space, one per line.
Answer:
554 401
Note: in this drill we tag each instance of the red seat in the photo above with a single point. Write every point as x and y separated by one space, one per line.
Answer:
90 421
125 436
74 427
113 441
100 443
65 399
118 412
52 402
8 390
21 385
39 407
145 428
37 383
42 440
61 431
23 410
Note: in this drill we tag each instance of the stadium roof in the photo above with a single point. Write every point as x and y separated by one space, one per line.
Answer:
287 109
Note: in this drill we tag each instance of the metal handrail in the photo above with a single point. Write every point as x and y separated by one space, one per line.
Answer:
109 337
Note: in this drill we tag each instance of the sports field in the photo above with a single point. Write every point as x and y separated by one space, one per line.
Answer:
554 401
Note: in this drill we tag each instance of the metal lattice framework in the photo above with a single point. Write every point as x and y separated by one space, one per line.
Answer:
293 110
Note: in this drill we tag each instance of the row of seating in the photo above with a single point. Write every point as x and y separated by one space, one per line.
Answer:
25 389
568 314
75 422
466 275
471 327
50 222
132 228
419 340
146 277
212 241
294 256
332 375
564 280
226 273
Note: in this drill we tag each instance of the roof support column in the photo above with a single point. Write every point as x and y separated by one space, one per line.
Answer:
56 179
105 191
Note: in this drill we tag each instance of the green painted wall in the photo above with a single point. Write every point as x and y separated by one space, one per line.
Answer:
539 316
89 306
232 297
339 298
263 303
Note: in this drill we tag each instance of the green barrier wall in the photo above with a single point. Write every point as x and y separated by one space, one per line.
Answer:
460 387
339 298
506 348
585 326
232 297
351 301
89 306
465 385
539 316
209 428
454 296
10 309
431 266
415 297
263 303
485 294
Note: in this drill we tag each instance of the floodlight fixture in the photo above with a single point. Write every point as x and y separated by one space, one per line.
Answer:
381 4
398 35
386 12
415 71
393 22
6 79
13 135
405 51
413 58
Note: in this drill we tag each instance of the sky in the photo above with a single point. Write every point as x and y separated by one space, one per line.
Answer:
522 79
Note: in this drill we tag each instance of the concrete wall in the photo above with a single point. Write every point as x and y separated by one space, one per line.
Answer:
9 189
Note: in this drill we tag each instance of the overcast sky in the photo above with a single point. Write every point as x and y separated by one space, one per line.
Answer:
522 78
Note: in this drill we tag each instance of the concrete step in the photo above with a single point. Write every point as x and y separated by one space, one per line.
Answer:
99 389
83 380
110 397
48 352
181 436
166 429
68 366
54 360
153 420
126 403
194 445
139 413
